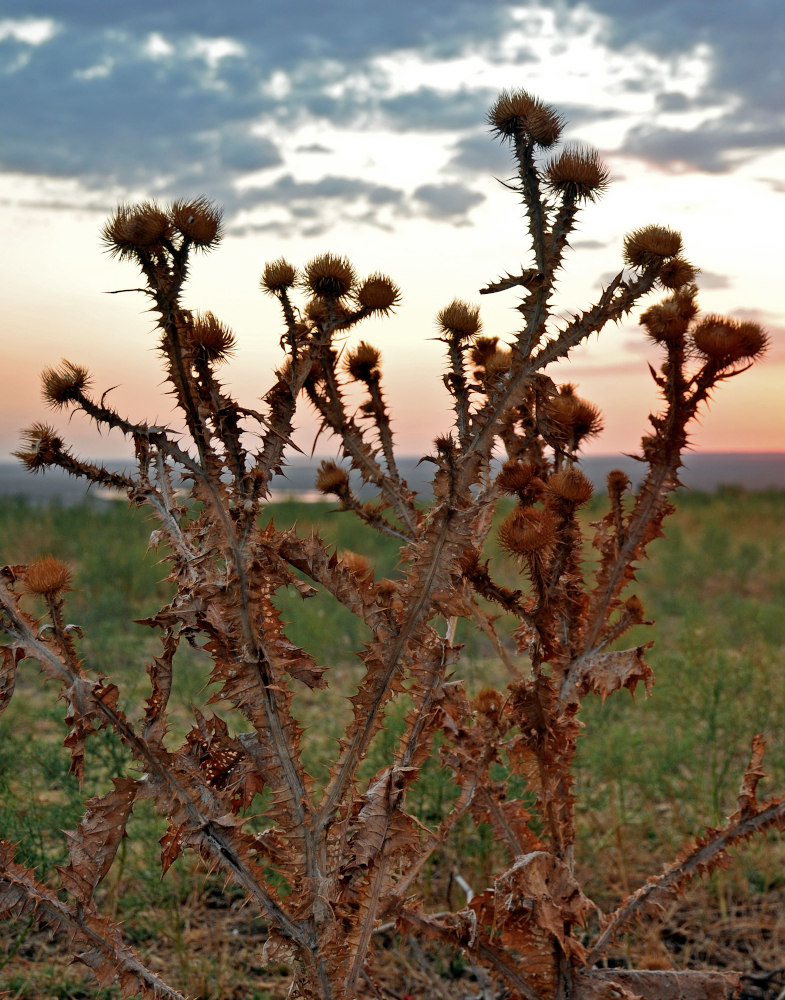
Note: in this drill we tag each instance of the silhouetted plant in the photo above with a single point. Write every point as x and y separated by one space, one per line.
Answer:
337 859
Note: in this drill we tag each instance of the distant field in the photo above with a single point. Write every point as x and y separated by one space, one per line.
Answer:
705 471
651 774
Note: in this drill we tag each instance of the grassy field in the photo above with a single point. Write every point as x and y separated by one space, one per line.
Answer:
652 772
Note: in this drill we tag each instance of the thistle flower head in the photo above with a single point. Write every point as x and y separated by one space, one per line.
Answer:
727 341
331 478
515 476
198 220
527 530
677 272
569 484
136 228
277 276
378 294
47 576
482 349
578 173
64 385
666 322
570 419
330 276
41 447
651 243
459 320
517 114
212 339
362 363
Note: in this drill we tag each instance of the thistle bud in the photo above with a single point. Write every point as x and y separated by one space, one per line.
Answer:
527 530
677 272
47 576
516 114
330 276
362 363
42 446
459 320
727 341
65 384
331 478
134 228
570 484
515 476
649 244
212 339
277 276
578 173
378 294
199 221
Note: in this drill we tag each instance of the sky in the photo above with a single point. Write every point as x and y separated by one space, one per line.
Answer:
360 128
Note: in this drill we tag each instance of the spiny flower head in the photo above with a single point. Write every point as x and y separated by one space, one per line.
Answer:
331 478
47 576
362 363
137 228
570 419
727 341
515 476
330 276
527 530
65 384
677 272
278 275
569 484
459 320
517 114
42 445
651 243
378 294
578 173
666 322
212 339
198 220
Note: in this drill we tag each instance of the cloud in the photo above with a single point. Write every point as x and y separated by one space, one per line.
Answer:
448 201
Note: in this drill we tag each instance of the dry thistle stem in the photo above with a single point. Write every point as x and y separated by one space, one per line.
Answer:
344 849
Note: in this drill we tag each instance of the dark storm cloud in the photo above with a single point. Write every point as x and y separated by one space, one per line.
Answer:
745 43
131 98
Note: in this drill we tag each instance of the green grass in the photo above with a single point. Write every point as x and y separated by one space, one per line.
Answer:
651 771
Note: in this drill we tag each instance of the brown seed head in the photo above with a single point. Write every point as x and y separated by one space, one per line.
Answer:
212 338
42 445
482 349
634 607
489 703
362 363
727 340
47 576
278 275
134 228
65 384
516 114
527 530
498 364
356 564
330 276
570 419
667 322
569 484
677 272
651 243
379 294
515 476
459 320
198 220
578 173
618 481
331 478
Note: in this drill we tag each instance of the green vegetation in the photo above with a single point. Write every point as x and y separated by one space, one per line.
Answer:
650 771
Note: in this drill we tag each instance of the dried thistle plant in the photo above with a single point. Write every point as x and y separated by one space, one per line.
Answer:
349 851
